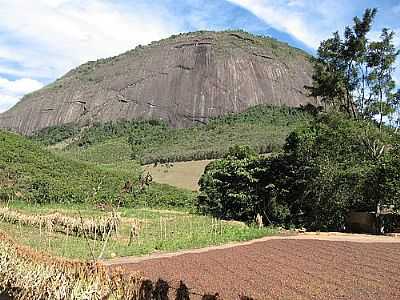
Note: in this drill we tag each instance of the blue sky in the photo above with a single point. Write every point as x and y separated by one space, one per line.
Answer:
41 40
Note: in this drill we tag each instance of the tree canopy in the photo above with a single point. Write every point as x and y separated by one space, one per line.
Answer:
335 165
354 74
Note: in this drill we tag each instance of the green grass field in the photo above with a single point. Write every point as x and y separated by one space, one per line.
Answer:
160 231
33 174
77 172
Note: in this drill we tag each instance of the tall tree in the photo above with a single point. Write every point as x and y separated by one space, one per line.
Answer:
380 59
354 75
353 53
340 78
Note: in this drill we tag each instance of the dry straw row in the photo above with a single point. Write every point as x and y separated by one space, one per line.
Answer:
94 228
27 274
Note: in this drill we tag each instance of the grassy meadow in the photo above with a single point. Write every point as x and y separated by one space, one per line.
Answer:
158 231
183 175
85 172
31 173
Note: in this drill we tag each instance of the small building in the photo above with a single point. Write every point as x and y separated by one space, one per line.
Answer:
387 221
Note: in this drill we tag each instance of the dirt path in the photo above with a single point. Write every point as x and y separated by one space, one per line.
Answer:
324 266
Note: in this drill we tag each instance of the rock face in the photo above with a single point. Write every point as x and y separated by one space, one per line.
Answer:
183 80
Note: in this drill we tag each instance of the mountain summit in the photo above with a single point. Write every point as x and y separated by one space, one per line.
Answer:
183 79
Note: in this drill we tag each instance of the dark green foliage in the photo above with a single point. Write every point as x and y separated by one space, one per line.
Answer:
335 165
240 152
263 128
165 196
236 188
338 159
36 175
53 135
353 74
382 183
103 131
227 188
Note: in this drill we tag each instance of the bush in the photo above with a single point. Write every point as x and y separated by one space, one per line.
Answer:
234 188
328 168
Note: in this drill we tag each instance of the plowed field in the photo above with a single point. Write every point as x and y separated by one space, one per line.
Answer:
285 269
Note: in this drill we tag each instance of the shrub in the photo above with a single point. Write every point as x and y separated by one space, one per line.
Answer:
234 188
328 168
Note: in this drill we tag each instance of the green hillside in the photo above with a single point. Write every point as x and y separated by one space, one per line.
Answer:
31 173
263 128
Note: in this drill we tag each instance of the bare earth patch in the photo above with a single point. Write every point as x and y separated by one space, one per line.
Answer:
184 175
311 266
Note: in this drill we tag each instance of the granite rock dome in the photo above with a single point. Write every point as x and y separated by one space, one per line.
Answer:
183 79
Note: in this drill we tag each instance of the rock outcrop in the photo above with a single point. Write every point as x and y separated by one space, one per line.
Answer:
183 80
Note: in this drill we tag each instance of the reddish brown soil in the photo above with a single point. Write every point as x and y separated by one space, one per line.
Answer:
286 269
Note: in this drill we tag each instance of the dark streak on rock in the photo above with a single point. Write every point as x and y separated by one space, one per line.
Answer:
78 102
262 55
184 67
123 100
193 44
199 119
151 105
47 110
242 38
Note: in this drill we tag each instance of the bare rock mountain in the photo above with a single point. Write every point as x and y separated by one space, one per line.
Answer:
183 80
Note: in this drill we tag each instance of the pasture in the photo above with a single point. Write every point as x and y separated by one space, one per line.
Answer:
140 231
183 175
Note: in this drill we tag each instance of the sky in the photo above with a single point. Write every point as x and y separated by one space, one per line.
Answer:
43 39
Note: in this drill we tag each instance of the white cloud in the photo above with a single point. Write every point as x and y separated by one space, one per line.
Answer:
20 86
12 91
45 38
308 21
7 101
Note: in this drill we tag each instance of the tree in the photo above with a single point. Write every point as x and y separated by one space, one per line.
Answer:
380 59
339 70
395 117
235 188
328 168
353 74
329 75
